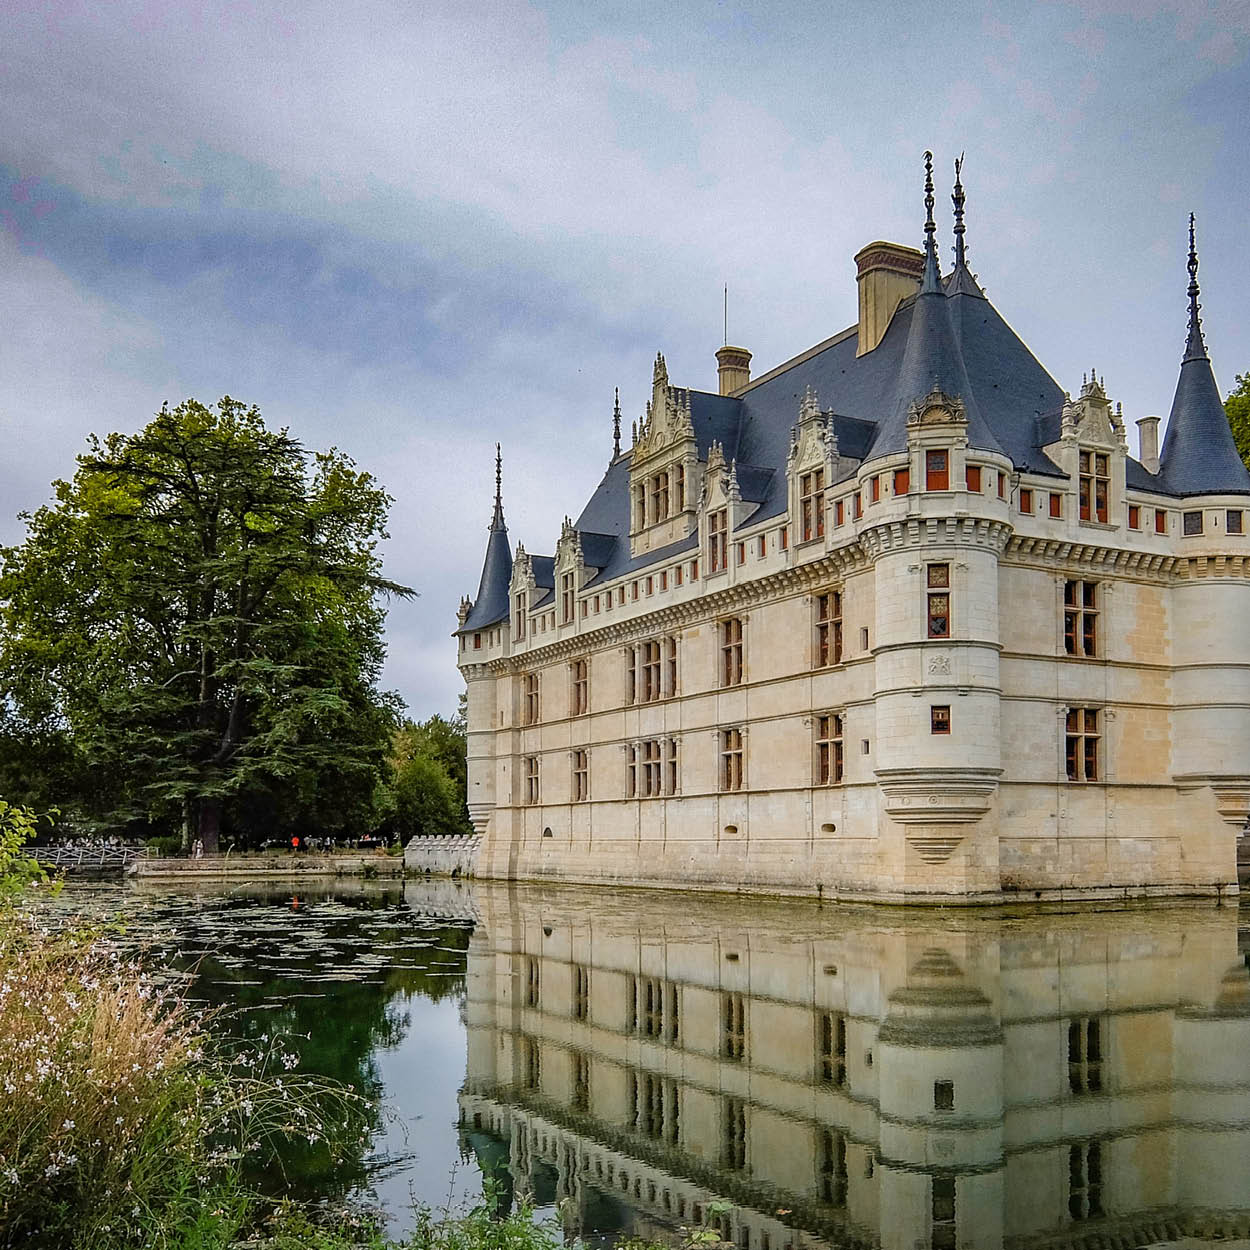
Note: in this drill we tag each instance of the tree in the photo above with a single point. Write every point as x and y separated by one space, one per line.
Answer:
198 614
1237 406
429 778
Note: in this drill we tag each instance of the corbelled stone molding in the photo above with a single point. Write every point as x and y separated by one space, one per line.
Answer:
1063 554
926 531
928 796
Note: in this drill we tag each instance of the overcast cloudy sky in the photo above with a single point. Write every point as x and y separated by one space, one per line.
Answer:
411 228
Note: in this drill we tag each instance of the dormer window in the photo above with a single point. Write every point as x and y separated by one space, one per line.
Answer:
679 485
568 592
718 540
936 470
1095 486
659 497
518 614
812 504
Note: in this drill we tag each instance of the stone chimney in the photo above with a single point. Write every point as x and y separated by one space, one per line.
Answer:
887 274
733 365
1148 442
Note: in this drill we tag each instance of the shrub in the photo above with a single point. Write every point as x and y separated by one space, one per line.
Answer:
120 1125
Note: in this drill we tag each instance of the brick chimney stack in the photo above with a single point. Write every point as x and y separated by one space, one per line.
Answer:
733 365
887 274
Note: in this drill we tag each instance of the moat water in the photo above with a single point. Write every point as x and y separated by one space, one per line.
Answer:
795 1076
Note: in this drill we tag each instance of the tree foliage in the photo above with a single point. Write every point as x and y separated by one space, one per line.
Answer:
429 778
1237 406
196 620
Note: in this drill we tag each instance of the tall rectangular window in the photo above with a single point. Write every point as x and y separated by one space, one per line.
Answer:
581 992
1055 504
654 1107
937 470
1082 737
531 699
670 667
651 780
680 483
1232 521
839 512
640 505
581 1081
1080 618
568 593
718 540
1161 521
940 719
659 497
530 767
1134 516
1094 484
581 776
518 617
828 628
649 688
532 982
731 651
942 1235
734 1134
832 1042
731 759
1026 501
579 678
531 1059
874 488
832 1168
938 577
812 504
733 1025
1085 1181
972 475
902 481
1085 1055
671 768
631 771
828 749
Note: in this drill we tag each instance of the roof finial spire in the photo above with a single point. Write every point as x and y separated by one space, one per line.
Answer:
958 200
616 424
1195 348
497 521
932 273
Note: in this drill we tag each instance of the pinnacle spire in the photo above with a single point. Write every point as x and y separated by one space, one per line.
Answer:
616 424
958 200
1195 347
497 521
932 271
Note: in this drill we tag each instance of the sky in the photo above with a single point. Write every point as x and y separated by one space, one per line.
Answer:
413 229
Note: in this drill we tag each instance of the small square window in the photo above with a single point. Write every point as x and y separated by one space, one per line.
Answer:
1232 522
1056 504
1192 523
863 746
902 481
972 475
940 720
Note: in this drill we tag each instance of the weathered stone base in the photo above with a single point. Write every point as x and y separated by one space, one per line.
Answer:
1035 844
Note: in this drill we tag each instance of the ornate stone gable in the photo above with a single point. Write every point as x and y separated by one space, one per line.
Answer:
813 442
937 409
1089 419
522 573
569 549
667 423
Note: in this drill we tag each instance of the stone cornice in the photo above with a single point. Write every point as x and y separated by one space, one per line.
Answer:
1188 568
664 620
1064 554
922 531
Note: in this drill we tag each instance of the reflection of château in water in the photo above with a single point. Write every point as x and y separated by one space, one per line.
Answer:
844 1079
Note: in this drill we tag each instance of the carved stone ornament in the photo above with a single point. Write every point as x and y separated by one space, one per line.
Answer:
939 665
937 408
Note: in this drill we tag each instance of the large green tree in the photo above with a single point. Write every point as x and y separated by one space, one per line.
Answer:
1237 406
429 778
197 620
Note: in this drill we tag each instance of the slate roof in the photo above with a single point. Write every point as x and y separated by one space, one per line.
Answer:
491 604
1199 456
950 333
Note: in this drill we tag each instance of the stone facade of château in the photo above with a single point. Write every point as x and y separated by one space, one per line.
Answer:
898 620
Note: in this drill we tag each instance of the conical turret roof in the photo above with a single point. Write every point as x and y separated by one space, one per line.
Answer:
491 603
1199 456
932 356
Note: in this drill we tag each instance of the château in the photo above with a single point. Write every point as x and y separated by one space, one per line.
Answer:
898 620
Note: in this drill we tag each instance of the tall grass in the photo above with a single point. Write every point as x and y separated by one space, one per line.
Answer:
120 1124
